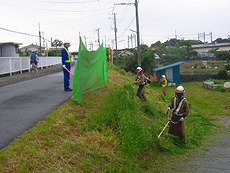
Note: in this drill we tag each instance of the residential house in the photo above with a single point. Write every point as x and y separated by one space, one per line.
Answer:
32 48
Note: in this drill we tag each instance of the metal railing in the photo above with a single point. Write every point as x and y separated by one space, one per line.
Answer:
9 65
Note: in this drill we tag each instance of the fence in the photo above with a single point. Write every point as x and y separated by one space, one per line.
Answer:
9 65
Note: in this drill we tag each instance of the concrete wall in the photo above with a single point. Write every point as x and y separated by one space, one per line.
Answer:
9 50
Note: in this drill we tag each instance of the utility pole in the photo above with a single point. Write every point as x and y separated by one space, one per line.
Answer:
204 37
91 46
138 36
85 41
134 39
131 40
115 30
210 34
43 35
138 30
40 39
98 34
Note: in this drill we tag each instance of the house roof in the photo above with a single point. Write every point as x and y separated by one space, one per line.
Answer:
32 46
168 66
11 43
126 52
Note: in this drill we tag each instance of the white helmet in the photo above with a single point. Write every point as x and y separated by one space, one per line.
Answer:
163 76
180 89
66 42
139 69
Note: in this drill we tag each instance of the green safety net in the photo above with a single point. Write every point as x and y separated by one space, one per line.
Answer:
91 71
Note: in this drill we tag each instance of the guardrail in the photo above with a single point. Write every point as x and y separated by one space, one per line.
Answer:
9 65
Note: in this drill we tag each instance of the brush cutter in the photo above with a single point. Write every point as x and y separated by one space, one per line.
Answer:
63 66
169 120
163 129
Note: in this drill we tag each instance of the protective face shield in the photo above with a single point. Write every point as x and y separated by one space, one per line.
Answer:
179 95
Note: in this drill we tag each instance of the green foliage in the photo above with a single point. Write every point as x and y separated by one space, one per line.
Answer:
136 126
195 66
221 89
148 60
220 40
54 53
173 55
223 55
227 67
56 43
189 42
116 132
223 74
121 113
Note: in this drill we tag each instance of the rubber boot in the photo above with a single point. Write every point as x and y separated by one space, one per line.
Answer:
144 98
141 97
183 138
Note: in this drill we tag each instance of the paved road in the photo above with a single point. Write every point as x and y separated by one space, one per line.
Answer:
24 104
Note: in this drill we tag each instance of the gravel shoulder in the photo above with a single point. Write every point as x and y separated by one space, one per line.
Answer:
214 157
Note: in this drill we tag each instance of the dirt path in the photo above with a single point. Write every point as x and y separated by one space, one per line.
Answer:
214 158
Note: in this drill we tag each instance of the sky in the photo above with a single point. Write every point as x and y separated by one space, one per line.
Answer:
66 20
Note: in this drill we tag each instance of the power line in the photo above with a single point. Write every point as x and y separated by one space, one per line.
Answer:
23 33
71 2
127 27
59 11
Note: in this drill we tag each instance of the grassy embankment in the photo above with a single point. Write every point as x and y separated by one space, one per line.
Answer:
114 132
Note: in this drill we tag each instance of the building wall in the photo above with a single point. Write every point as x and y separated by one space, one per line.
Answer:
9 50
207 47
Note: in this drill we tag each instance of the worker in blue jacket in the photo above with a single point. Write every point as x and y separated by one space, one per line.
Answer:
66 60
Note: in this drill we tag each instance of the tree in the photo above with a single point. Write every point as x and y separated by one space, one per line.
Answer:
220 40
159 48
223 55
188 44
148 59
57 43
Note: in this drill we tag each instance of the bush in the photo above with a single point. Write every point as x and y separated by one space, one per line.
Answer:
221 89
227 67
195 66
222 74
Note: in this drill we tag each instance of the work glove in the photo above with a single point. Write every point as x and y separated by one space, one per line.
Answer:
63 66
175 113
167 110
136 83
182 119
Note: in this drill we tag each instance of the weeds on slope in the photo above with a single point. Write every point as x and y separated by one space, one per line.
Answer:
113 132
135 125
